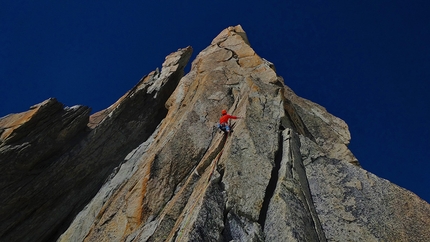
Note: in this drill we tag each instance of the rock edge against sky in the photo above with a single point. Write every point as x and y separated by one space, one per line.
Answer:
152 167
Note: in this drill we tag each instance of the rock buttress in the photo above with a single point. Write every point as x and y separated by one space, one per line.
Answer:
64 171
355 205
177 177
268 181
30 145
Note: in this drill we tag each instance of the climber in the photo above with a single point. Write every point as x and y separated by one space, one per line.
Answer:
223 121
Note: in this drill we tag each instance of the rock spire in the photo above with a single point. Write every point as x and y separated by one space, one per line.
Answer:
153 166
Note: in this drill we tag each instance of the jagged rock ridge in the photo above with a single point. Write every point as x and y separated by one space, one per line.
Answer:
52 163
285 174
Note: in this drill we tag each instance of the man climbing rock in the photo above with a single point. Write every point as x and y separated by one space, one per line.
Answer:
223 121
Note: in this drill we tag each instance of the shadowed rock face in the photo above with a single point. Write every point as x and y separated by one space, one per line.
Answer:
52 163
156 168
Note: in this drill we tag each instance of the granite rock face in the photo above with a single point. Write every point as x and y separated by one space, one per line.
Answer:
53 160
153 166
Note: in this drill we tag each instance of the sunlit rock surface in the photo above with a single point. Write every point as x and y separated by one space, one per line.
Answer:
153 166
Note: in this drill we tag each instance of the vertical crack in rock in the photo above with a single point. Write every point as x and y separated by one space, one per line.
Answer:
296 120
176 216
299 174
291 214
197 212
272 182
225 233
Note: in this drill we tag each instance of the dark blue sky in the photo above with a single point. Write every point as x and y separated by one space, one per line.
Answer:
367 62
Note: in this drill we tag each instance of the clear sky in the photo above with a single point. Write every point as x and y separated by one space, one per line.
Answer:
367 62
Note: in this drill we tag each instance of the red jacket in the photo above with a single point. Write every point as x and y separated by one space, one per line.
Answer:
225 118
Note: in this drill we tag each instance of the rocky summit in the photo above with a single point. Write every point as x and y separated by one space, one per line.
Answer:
154 166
